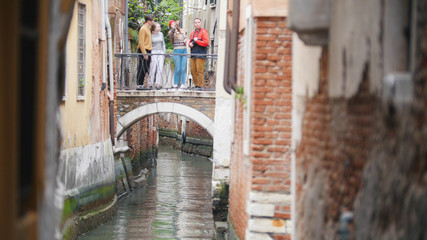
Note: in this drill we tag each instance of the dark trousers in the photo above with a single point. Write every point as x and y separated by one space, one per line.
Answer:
143 67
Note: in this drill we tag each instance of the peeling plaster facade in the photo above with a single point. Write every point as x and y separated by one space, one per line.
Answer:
87 159
357 125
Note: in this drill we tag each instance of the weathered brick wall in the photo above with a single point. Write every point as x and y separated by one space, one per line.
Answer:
99 114
240 171
142 141
174 122
392 203
365 154
272 103
169 121
271 114
196 131
198 140
267 169
335 140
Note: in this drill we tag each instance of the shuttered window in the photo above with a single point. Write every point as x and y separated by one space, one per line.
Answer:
81 81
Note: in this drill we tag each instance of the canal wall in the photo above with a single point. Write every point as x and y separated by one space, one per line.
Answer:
123 170
184 134
88 176
131 173
135 154
192 145
95 177
143 140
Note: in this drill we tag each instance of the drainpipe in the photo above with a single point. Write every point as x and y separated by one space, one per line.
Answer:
104 77
110 51
231 47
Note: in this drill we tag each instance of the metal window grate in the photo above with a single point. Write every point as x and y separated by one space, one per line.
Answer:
81 81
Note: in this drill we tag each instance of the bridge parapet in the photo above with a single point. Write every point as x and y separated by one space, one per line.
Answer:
161 68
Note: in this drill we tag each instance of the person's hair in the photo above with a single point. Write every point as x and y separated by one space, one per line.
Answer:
149 17
154 26
198 18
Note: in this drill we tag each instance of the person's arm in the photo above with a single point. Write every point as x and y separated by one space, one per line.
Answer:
141 40
203 40
190 43
170 35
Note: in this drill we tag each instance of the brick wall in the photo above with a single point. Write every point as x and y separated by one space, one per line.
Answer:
174 122
267 168
142 141
240 171
336 140
271 106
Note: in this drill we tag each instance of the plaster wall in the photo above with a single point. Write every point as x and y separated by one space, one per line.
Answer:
84 119
356 42
88 165
223 102
74 112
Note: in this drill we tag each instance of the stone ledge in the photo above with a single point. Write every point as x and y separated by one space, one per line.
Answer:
257 236
94 219
260 210
268 225
266 197
172 93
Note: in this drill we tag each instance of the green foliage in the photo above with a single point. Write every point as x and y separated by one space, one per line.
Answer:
240 95
134 39
163 11
81 82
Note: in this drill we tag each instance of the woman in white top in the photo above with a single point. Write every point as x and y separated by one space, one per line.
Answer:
157 61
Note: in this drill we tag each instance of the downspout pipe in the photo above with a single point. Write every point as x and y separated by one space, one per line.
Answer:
126 27
110 52
104 74
231 46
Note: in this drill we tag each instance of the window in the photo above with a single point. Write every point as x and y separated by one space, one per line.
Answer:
81 81
62 72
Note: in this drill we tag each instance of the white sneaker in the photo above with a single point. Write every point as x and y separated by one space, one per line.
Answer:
174 86
183 86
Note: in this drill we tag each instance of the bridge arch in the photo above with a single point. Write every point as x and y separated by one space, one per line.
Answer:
164 107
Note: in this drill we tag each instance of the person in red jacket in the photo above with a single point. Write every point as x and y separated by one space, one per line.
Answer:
199 42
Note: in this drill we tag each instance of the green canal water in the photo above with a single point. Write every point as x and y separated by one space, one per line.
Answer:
175 203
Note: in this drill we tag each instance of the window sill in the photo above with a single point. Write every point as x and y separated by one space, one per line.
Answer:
81 98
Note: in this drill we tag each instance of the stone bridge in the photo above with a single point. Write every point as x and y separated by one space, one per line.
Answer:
134 105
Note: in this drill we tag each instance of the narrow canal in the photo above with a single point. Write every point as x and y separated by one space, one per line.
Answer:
175 204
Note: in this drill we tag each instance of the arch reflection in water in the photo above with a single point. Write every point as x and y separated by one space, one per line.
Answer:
175 204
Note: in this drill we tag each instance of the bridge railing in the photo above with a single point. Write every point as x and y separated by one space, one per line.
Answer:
128 63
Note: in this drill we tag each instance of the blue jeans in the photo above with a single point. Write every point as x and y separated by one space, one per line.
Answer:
180 66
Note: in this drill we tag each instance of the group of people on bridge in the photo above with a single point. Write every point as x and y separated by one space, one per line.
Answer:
152 45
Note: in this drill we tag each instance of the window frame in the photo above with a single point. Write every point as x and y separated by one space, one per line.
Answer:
81 52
